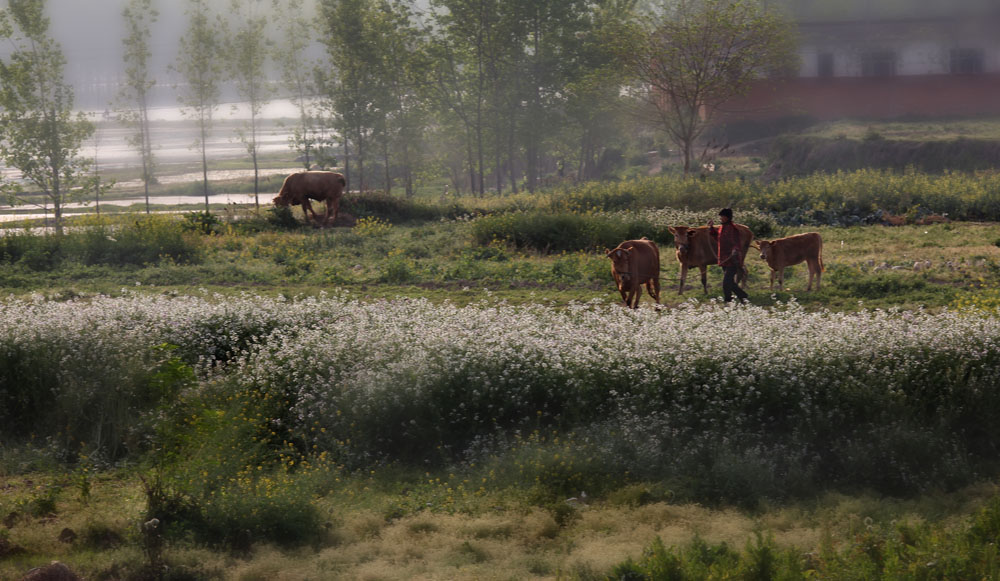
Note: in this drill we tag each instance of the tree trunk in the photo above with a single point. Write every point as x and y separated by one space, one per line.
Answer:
385 158
147 145
253 155
204 162
347 164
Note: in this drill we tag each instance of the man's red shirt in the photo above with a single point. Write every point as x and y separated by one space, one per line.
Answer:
728 240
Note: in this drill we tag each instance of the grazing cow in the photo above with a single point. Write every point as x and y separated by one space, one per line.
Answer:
695 248
791 250
634 263
322 186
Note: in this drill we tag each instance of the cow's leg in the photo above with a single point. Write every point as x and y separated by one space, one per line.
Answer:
684 273
655 292
772 279
634 294
307 209
704 278
332 209
813 269
781 279
619 286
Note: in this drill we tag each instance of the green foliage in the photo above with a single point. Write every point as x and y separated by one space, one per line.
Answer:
106 402
134 241
202 222
563 232
390 208
879 285
40 134
898 551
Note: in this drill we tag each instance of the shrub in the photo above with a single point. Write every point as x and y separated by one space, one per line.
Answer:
564 232
129 241
201 222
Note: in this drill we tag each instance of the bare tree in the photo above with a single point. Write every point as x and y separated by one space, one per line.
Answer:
700 55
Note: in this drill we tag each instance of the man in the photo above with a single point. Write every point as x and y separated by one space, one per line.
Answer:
727 238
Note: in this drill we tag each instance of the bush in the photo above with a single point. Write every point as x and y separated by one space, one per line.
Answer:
134 241
564 232
392 208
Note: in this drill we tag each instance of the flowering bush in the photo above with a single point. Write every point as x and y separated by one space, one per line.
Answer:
737 403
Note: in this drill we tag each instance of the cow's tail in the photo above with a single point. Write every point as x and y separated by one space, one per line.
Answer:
821 267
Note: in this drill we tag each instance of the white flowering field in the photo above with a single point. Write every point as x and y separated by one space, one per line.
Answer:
746 400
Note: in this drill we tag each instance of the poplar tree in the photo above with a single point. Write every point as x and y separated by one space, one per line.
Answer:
199 63
247 53
40 135
139 15
296 30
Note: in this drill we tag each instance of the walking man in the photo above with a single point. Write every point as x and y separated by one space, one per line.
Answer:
727 239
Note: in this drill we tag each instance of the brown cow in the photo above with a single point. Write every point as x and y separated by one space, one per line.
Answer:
695 248
791 250
634 263
322 186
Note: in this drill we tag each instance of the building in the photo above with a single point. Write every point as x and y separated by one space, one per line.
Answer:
886 59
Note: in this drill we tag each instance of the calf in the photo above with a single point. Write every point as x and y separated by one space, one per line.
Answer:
695 248
634 263
791 250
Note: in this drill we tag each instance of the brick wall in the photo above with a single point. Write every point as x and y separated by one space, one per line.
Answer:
868 97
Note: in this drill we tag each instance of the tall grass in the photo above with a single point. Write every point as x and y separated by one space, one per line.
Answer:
895 551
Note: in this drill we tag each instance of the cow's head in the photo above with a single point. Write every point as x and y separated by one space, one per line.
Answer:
281 200
621 260
764 246
683 236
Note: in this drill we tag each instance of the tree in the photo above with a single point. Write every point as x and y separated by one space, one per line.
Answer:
296 32
41 135
352 93
700 55
139 15
247 53
200 65
594 103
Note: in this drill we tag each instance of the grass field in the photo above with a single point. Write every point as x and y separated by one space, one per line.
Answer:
449 390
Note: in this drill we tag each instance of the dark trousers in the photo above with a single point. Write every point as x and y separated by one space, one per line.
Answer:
729 287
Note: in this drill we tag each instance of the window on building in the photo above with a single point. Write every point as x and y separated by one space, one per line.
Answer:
879 63
825 65
966 61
